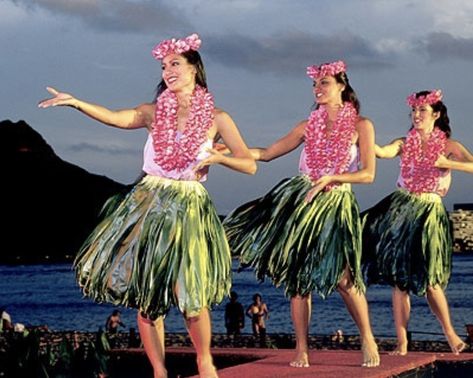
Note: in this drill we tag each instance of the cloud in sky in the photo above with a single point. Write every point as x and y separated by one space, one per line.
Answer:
102 148
444 46
454 16
284 53
123 16
255 53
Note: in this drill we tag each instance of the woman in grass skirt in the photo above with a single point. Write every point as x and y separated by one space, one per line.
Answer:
164 244
306 232
407 240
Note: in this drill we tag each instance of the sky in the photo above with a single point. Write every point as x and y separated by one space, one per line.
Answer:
255 54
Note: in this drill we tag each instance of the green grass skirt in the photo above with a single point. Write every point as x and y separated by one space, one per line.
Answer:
407 242
162 245
304 246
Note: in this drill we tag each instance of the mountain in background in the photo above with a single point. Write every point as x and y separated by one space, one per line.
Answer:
49 205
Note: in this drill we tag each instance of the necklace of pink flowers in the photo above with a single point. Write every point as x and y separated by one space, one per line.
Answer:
171 151
417 162
328 151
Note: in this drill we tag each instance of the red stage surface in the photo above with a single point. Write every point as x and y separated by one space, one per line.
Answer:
274 363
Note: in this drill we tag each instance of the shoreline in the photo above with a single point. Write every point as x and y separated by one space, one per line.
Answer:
52 340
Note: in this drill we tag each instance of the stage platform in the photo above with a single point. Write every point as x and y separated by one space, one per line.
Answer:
274 363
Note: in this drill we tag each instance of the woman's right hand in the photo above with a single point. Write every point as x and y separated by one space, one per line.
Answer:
317 187
59 99
442 162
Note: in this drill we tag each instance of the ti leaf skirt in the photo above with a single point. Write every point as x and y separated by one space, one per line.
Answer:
303 246
407 242
162 245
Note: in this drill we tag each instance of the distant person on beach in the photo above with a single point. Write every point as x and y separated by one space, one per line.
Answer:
258 313
113 322
407 241
306 232
164 244
234 315
5 321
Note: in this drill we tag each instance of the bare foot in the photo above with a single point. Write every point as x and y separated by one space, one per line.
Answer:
206 368
456 344
300 361
370 354
401 350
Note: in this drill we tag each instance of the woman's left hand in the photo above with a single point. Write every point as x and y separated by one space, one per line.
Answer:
317 186
215 157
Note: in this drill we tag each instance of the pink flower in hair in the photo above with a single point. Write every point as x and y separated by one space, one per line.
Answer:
327 69
431 98
176 46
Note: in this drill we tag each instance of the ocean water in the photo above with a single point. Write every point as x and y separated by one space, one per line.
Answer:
48 295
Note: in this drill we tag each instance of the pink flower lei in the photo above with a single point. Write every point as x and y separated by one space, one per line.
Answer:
429 99
328 152
176 46
417 163
328 69
172 152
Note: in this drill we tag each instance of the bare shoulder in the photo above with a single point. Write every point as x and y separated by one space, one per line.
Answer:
364 123
146 108
221 115
453 144
455 147
364 128
299 128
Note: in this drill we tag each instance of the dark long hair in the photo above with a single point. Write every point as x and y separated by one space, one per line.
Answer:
193 58
348 94
442 122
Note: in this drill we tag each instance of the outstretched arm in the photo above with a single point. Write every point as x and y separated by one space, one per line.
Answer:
141 116
390 150
458 158
286 144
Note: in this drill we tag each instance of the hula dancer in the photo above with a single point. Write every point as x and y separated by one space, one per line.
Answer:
407 239
306 232
164 244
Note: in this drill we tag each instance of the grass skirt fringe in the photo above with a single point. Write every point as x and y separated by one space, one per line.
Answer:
407 242
162 245
305 246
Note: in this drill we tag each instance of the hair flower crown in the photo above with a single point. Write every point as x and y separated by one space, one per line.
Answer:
431 98
176 46
326 69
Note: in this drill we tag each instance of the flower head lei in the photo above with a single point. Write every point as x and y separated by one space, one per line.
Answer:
429 99
327 69
176 46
